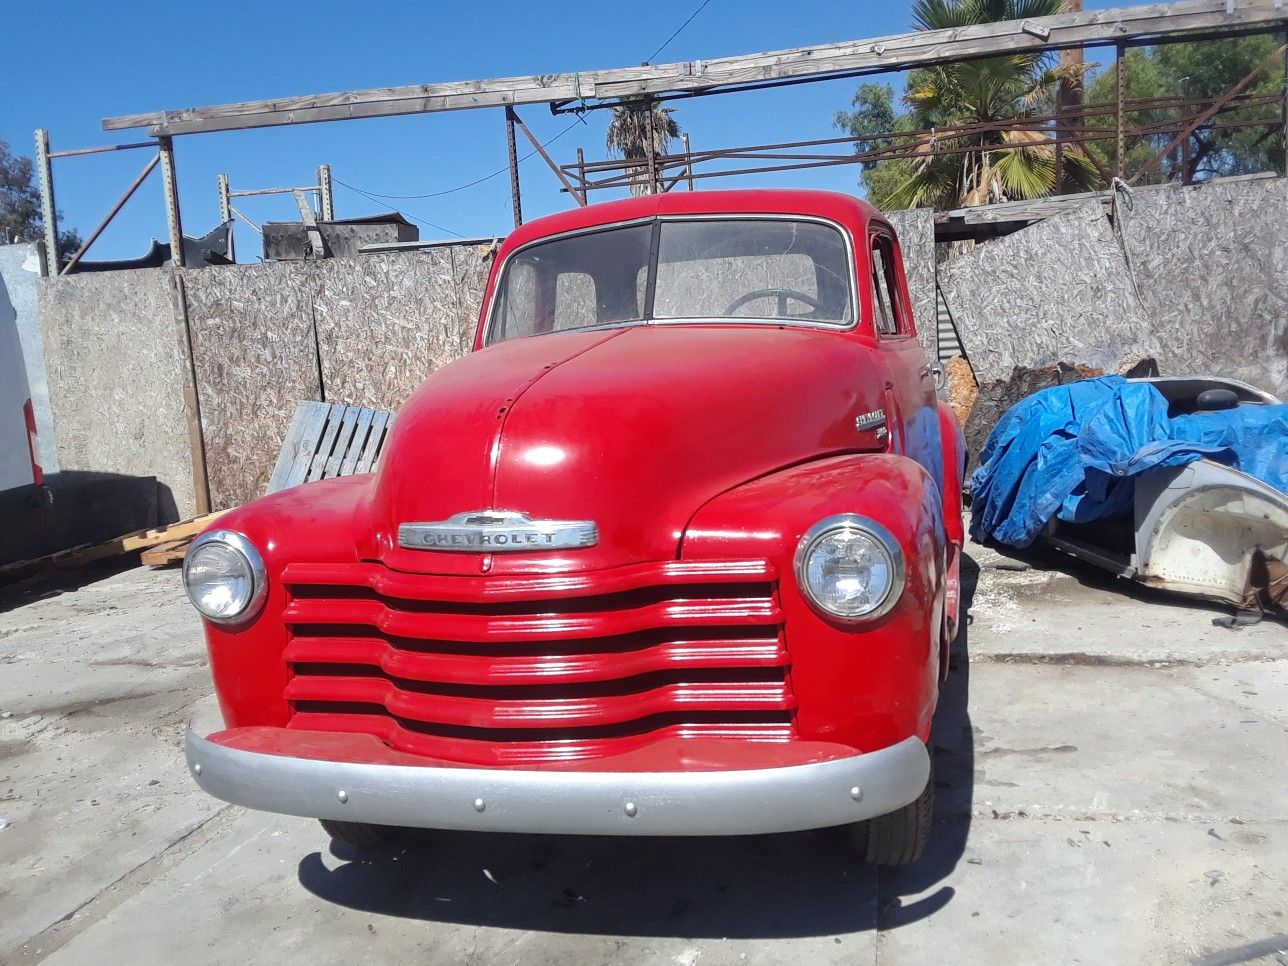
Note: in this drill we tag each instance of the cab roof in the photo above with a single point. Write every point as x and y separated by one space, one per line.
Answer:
848 211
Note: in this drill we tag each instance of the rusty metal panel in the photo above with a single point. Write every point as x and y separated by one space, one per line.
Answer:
384 323
1058 291
916 230
255 357
1211 263
115 358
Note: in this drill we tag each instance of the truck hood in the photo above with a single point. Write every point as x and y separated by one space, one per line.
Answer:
633 429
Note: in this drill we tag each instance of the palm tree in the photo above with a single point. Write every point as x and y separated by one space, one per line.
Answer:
1006 158
640 128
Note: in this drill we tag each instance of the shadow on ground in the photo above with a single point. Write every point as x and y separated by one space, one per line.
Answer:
772 886
1050 560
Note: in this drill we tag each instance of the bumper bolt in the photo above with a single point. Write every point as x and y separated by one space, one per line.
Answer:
630 809
479 805
196 769
343 796
856 793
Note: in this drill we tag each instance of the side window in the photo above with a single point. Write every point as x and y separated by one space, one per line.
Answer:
885 298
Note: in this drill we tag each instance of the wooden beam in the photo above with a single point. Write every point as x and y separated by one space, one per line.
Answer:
878 55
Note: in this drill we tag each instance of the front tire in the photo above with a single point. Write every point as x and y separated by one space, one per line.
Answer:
360 835
899 837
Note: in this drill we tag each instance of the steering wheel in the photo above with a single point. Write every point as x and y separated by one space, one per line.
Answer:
783 294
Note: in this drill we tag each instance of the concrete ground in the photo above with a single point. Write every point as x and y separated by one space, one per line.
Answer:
1110 789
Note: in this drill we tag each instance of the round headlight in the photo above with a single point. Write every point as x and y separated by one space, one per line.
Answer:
224 576
850 567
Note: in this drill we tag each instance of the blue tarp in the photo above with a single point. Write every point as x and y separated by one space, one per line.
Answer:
1074 452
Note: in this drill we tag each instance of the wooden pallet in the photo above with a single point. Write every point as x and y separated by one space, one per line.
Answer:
86 554
165 554
326 440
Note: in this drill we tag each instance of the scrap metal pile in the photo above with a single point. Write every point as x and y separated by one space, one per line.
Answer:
1178 483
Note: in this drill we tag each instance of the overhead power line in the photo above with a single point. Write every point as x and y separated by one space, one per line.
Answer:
678 31
468 184
377 196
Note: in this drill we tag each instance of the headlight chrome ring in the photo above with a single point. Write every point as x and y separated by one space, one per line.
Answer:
237 595
871 540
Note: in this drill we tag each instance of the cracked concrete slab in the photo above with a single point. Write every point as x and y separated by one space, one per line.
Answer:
1042 890
1108 783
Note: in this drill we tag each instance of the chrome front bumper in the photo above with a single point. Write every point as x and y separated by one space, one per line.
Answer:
782 799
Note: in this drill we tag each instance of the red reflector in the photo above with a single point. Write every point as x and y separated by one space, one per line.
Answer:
33 445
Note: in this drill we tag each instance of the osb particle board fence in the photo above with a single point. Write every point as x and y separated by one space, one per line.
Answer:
254 355
117 369
385 321
1058 291
1211 264
916 231
364 331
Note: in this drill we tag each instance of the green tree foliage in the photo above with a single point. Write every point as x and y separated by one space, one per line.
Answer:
638 128
1203 70
997 165
20 218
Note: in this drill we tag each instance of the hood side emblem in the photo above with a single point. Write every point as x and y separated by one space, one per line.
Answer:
871 420
497 531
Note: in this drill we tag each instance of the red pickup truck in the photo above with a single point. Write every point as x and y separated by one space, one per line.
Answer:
674 551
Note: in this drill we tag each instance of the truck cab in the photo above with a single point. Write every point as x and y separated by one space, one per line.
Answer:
673 551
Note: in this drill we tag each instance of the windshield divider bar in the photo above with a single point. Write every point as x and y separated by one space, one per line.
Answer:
650 285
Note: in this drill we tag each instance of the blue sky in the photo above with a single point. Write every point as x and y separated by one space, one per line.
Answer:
80 61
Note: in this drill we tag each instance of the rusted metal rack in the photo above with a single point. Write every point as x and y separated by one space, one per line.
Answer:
322 190
1119 28
1077 127
49 211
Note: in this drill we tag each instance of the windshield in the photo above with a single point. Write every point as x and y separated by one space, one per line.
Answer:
709 269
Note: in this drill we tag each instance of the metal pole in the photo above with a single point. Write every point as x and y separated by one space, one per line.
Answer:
647 111
516 198
225 202
324 189
581 172
48 212
1120 68
129 193
81 152
172 201
688 158
1284 38
226 215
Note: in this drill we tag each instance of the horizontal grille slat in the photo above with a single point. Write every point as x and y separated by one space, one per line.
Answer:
539 668
561 668
545 626
484 712
539 587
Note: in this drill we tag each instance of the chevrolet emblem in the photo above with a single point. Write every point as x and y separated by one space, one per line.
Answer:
497 531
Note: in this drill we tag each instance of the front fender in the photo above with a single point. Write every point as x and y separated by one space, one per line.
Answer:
866 685
315 522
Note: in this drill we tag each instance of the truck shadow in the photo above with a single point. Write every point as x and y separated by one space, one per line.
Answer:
771 886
